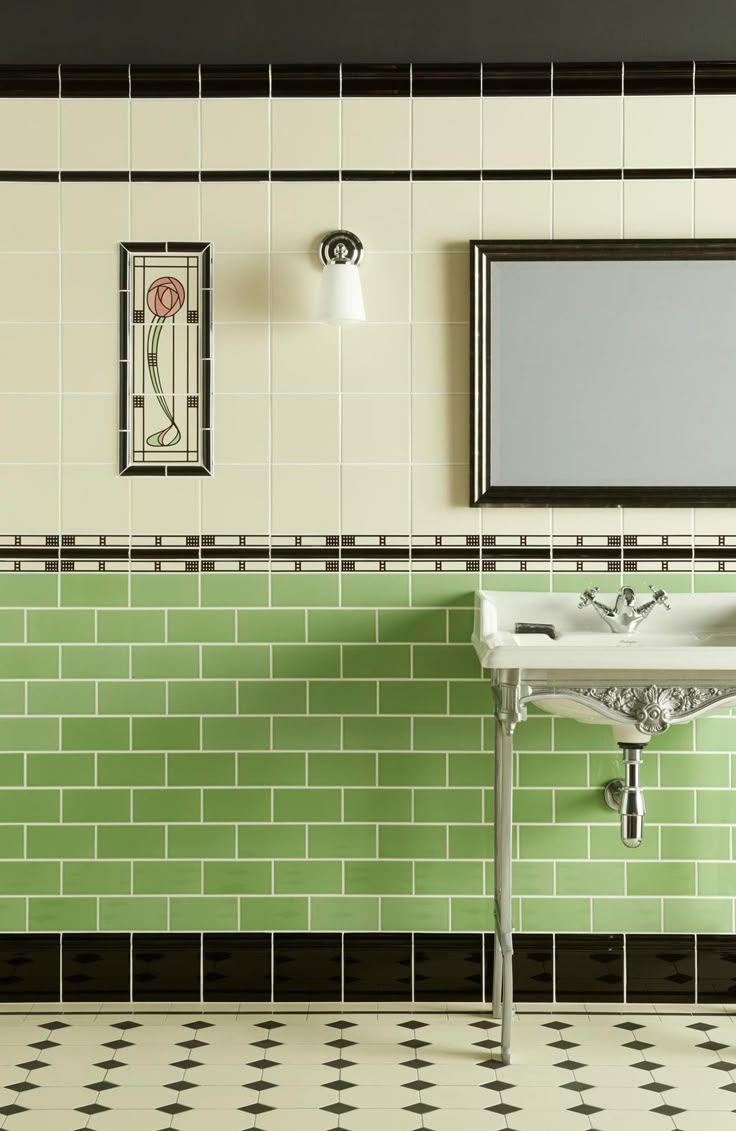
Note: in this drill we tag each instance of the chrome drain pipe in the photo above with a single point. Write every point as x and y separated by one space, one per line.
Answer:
626 796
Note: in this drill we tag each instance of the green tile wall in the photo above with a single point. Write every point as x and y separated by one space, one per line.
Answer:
245 751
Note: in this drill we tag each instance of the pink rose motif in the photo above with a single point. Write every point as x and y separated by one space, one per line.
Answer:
165 296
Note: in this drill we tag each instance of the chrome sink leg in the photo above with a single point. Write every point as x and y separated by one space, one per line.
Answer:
503 974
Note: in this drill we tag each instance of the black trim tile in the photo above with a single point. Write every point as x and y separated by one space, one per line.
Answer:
376 175
589 967
658 78
307 967
101 175
378 967
446 80
660 968
236 967
29 81
164 81
94 82
715 77
448 967
446 175
164 175
29 967
232 81
533 967
383 80
305 80
166 967
587 174
514 79
516 174
49 175
95 967
587 78
305 175
658 174
234 175
716 969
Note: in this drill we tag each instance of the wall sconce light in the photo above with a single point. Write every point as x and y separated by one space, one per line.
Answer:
341 295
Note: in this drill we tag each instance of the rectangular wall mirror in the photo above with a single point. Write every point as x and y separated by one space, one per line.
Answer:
603 372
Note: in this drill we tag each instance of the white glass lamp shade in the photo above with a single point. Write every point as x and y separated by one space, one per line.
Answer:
341 295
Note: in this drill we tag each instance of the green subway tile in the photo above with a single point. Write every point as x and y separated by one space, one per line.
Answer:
412 626
132 697
165 661
95 734
286 767
337 768
572 735
470 842
448 877
12 914
60 842
670 805
715 806
12 842
29 734
61 697
13 699
570 582
165 734
131 768
661 878
705 770
378 877
236 661
553 769
318 877
531 877
532 805
235 590
696 843
542 842
164 590
471 697
131 626
95 590
29 662
411 769
605 767
715 734
577 806
146 913
469 769
20 877
68 913
678 737
11 768
337 697
26 590
19 806
306 805
717 878
605 843
201 769
342 913
95 877
121 842
675 582
198 913
375 590
447 734
443 588
164 877
412 697
193 626
152 805
235 734
459 806
558 914
237 804
584 878
237 877
409 842
271 841
377 805
12 626
451 661
304 590
98 661
366 733
376 660
95 805
272 697
299 661
469 914
202 697
706 916
459 625
200 842
341 842
414 913
60 626
317 733
341 626
271 626
638 916
274 913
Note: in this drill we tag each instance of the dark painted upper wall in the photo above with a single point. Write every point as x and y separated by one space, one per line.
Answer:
117 31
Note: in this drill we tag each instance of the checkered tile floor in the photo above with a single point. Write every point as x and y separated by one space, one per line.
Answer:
309 1068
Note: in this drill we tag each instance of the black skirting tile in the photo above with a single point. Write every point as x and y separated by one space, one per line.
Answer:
164 81
236 967
658 78
226 81
589 967
387 80
448 967
21 81
716 968
29 967
378 967
533 967
715 78
508 79
587 78
307 967
94 82
166 967
305 81
447 80
660 968
95 967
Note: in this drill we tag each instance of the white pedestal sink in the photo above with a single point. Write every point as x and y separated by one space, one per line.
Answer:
679 664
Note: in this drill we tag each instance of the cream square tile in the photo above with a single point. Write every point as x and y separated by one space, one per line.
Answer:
29 217
235 133
295 288
305 133
375 428
29 287
164 133
89 427
165 211
235 216
446 133
94 217
241 429
30 499
715 520
305 428
587 209
517 133
236 499
89 287
385 280
715 130
656 521
376 133
376 499
532 521
305 358
302 213
655 209
593 521
241 358
658 131
305 499
588 132
440 500
165 506
29 358
439 428
240 292
29 427
379 212
517 209
89 357
439 358
375 358
715 208
29 128
95 133
445 214
440 287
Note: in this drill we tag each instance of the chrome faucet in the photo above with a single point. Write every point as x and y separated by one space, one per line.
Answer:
626 615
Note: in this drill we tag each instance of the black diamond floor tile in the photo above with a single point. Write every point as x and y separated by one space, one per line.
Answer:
180 1086
92 1109
341 1025
338 1085
260 1086
117 1044
576 1086
418 1085
563 1045
30 1065
723 1066
571 1065
339 1063
126 1025
106 1064
647 1065
503 1109
412 1024
556 1025
667 1109
657 1087
198 1025
174 1109
340 1044
269 1025
420 1109
416 1063
21 1086
256 1109
266 1043
702 1026
338 1109
414 1044
262 1064
184 1064
638 1045
101 1086
51 1025
193 1044
484 1024
630 1025
585 1109
12 1109
486 1045
712 1046
727 1088
45 1045
498 1085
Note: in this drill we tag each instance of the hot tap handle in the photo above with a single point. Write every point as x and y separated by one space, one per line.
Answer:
660 597
588 596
